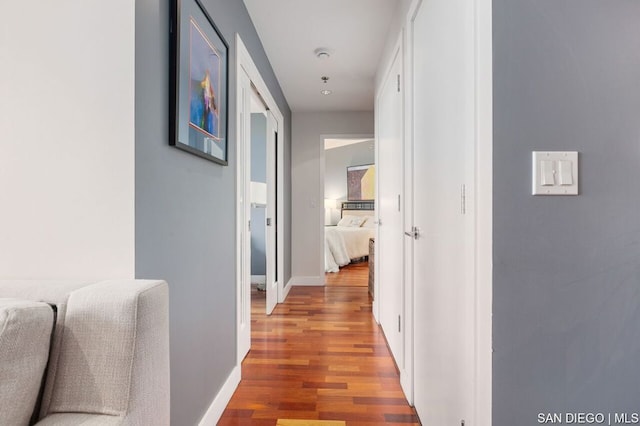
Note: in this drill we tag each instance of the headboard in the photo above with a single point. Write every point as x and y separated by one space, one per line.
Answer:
357 208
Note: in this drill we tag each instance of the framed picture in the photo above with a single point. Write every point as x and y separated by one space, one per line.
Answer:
199 83
361 182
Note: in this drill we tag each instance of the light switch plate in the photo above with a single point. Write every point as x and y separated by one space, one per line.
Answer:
549 178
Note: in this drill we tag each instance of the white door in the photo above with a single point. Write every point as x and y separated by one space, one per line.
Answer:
271 284
389 244
410 234
443 129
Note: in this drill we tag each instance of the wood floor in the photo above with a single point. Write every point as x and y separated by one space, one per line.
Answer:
320 356
353 275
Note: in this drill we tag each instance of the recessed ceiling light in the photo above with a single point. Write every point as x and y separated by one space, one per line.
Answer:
326 92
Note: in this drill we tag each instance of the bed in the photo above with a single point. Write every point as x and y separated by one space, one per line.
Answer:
349 240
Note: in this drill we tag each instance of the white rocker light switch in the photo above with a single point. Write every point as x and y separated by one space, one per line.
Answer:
555 173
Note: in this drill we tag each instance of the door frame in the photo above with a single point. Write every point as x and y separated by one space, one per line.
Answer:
245 67
408 194
484 211
323 159
271 285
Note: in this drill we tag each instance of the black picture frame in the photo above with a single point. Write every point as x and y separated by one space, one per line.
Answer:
199 80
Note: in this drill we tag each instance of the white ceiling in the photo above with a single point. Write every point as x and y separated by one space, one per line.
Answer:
354 31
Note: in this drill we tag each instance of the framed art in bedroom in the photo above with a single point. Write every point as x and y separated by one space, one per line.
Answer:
361 182
199 83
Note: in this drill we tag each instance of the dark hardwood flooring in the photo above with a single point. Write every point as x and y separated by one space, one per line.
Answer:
319 359
351 275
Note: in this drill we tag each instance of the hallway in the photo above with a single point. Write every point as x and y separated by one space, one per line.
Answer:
320 356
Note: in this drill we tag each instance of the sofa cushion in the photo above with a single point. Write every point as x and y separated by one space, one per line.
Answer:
53 292
25 333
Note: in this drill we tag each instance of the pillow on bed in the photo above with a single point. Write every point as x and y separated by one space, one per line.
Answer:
352 221
370 222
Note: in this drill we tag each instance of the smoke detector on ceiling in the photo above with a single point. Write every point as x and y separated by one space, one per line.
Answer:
322 53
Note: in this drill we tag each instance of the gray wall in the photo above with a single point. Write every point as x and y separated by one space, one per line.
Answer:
309 130
185 214
258 174
566 323
258 147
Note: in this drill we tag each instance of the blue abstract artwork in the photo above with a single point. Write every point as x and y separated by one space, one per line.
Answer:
204 90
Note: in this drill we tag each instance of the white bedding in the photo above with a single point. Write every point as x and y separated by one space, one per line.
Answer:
343 243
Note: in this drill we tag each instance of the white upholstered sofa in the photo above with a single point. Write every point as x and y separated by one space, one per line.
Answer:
79 353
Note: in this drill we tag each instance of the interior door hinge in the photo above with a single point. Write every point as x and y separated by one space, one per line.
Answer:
268 221
398 323
398 83
249 225
463 199
399 203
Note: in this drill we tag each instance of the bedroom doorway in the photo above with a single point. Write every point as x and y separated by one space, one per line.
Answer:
349 224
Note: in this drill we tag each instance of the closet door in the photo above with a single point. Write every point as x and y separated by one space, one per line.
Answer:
389 244
443 138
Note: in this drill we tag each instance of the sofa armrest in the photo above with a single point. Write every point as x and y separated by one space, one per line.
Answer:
149 399
113 355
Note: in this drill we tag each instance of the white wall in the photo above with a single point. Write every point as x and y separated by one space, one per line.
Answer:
308 129
395 30
67 139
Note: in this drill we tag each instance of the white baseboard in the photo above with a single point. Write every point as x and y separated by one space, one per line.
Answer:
258 279
286 290
307 281
221 400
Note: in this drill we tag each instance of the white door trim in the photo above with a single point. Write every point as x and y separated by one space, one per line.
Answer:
243 213
484 211
271 287
245 65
